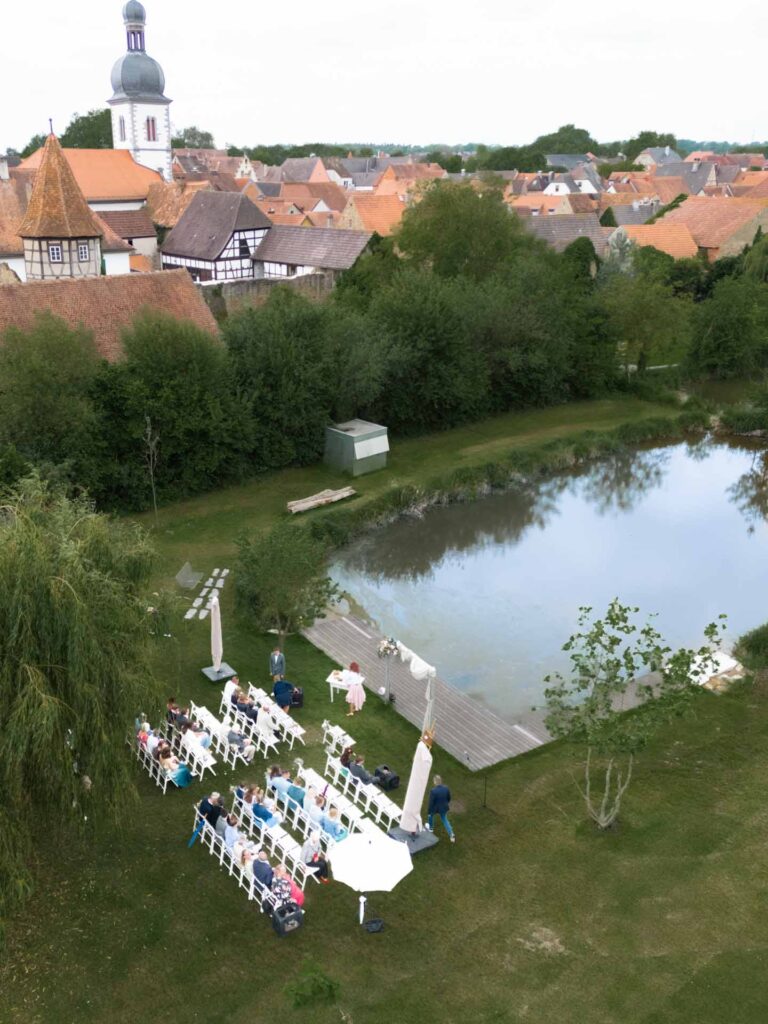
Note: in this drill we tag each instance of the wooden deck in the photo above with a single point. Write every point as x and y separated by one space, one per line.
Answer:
465 728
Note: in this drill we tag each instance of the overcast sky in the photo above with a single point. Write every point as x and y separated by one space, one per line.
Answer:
408 71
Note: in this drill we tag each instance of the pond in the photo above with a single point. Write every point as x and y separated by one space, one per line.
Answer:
489 591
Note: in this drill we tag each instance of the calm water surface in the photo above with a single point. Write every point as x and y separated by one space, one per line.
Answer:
489 591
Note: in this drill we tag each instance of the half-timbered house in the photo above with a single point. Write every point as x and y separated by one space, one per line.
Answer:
216 237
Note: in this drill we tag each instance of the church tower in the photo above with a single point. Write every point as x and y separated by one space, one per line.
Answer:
60 234
141 120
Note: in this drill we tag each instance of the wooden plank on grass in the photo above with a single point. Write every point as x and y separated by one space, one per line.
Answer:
326 497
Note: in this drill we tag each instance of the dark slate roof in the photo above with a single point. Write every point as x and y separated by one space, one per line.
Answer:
567 160
695 177
559 230
326 248
208 223
365 179
663 155
130 223
634 214
270 188
727 173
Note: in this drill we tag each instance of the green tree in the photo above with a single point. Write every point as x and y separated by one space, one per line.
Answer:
756 260
89 131
730 330
567 139
193 138
74 670
46 376
456 229
611 661
608 218
35 143
282 368
180 377
648 140
647 319
282 581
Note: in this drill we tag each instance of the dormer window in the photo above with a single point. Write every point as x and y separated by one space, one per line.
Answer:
54 252
83 252
151 129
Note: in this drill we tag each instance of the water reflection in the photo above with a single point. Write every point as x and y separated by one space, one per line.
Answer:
489 591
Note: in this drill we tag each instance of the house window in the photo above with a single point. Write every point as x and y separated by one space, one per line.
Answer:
122 129
54 252
245 252
83 252
151 129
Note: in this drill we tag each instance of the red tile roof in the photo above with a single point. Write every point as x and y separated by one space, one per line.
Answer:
105 305
57 208
674 239
713 220
104 174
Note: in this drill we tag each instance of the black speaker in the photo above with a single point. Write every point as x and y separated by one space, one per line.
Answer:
297 697
386 778
287 918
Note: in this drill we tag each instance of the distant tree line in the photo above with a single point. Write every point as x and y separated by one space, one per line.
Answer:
461 315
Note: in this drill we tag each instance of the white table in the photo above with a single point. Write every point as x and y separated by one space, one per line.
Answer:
342 679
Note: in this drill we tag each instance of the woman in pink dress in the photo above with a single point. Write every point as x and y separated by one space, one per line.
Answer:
355 690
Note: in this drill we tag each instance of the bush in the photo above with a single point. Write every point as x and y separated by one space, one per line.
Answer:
743 419
313 987
752 649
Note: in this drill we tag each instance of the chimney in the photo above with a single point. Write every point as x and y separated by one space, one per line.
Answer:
696 165
4 175
666 151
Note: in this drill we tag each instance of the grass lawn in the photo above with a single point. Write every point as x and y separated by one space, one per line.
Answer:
530 917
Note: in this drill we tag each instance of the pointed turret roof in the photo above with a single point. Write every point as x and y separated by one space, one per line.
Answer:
57 208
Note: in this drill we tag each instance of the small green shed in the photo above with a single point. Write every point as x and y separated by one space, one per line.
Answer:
356 447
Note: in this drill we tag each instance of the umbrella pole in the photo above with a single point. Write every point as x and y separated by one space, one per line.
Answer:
362 909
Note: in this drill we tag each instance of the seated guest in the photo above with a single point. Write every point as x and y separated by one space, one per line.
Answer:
230 687
231 832
357 771
346 756
281 783
236 739
246 706
262 870
295 795
143 734
296 894
211 809
190 741
281 884
309 798
264 722
263 813
312 856
202 735
317 811
153 743
171 710
221 825
282 692
331 824
182 718
178 773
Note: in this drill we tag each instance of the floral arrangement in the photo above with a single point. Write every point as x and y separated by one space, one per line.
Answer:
387 647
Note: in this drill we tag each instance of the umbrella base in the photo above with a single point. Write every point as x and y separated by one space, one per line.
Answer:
225 672
416 843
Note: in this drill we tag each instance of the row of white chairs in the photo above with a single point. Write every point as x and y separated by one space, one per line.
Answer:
220 730
158 775
244 877
349 812
295 815
335 739
276 840
264 742
291 729
198 759
370 798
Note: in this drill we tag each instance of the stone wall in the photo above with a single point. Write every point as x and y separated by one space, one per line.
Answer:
225 299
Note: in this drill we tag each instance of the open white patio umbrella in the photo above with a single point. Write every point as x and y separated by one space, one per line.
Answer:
217 644
369 863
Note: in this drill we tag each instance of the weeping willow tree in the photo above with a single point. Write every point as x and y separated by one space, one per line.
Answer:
74 669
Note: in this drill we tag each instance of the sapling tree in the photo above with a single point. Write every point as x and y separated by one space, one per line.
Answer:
625 682
282 579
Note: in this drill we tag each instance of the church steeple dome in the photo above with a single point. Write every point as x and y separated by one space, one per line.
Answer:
135 18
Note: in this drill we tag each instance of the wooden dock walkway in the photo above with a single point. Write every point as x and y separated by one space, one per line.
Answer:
469 731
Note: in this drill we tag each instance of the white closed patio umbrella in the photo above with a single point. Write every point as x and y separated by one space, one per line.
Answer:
217 644
410 820
369 863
